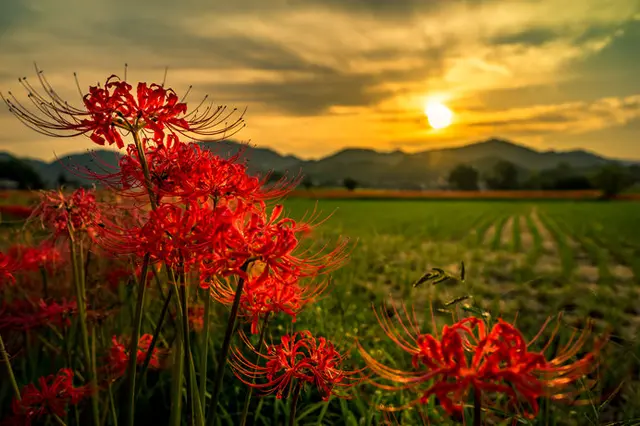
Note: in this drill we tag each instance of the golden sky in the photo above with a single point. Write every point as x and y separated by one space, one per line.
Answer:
318 76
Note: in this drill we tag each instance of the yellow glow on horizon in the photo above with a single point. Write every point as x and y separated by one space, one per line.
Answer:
438 115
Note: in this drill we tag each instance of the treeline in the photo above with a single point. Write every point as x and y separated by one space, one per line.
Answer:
26 177
611 178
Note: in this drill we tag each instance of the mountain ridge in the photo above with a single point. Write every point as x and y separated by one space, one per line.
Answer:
393 169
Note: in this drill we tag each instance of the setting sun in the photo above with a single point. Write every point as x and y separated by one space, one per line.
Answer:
438 114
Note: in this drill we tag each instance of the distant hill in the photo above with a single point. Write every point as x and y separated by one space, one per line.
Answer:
397 169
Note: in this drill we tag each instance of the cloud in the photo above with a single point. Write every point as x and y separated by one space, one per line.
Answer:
348 72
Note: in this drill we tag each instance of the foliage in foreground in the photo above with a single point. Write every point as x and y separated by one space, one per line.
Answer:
184 231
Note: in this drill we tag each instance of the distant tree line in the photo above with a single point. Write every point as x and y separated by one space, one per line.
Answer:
611 178
26 177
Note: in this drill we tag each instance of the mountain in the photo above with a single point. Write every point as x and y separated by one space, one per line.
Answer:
369 167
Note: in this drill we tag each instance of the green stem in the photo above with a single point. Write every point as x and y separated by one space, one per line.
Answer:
7 361
133 346
477 407
82 315
187 345
58 420
247 400
45 290
217 384
154 340
294 405
176 382
204 351
145 168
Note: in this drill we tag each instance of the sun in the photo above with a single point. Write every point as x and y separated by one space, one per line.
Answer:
438 114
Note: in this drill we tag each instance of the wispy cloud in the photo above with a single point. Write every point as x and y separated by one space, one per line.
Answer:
319 75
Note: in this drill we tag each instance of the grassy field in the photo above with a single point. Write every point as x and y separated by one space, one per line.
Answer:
533 259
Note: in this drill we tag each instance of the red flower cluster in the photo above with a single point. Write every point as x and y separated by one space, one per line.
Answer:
30 259
154 107
8 267
300 357
114 108
22 315
263 296
118 357
469 357
60 212
52 396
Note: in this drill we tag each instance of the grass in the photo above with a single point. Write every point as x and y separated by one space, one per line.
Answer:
394 243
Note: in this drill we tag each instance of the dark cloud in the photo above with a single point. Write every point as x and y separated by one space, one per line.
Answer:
319 91
548 118
530 37
618 60
13 14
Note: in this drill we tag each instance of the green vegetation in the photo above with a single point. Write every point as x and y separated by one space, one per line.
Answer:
526 259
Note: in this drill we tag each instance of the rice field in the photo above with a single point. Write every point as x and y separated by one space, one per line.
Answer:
530 259
523 260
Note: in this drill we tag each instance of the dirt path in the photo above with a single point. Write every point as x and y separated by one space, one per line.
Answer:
526 238
489 234
549 260
506 237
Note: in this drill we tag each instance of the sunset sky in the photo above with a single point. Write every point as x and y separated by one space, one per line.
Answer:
318 76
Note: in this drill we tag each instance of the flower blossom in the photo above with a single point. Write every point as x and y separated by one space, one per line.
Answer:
52 395
470 357
108 111
118 358
298 359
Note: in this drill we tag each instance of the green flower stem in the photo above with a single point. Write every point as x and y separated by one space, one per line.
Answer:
224 353
247 400
154 340
204 351
145 168
187 344
477 407
294 404
7 361
133 346
59 420
82 315
176 383
45 289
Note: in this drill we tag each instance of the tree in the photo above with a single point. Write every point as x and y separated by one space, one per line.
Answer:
22 173
307 182
612 179
274 176
464 177
504 176
350 184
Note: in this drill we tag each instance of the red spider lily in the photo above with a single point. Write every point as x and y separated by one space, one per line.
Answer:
264 295
23 315
469 357
31 259
274 241
300 357
79 211
114 108
52 395
180 237
22 212
118 358
187 171
8 267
